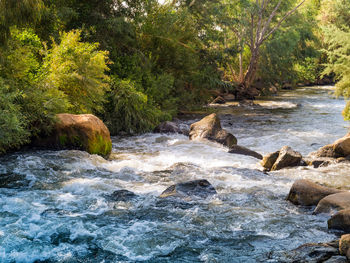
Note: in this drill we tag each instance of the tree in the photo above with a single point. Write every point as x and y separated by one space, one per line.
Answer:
335 17
250 24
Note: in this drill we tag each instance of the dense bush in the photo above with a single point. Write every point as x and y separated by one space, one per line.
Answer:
129 110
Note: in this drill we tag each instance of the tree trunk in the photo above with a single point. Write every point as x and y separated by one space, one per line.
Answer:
250 74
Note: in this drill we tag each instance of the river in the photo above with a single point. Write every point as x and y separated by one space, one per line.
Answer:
54 206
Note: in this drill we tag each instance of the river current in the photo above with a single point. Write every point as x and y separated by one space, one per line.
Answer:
55 205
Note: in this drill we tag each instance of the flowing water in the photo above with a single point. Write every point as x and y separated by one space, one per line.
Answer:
55 206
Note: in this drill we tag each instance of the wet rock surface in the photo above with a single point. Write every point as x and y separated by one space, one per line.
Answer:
196 188
171 127
122 195
340 221
210 128
83 132
308 193
333 203
237 149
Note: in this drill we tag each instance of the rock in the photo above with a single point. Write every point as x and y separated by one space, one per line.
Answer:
236 149
219 100
229 97
344 245
269 160
341 147
273 90
305 192
196 188
340 221
319 162
210 128
312 253
336 259
170 127
287 86
83 132
286 158
325 151
122 195
337 202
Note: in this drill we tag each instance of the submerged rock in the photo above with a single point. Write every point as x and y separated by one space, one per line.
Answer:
122 195
305 192
170 127
83 132
269 160
313 252
236 149
210 128
197 188
334 202
340 221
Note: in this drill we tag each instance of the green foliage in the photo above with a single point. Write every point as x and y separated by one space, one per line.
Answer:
337 38
78 70
129 110
21 71
12 122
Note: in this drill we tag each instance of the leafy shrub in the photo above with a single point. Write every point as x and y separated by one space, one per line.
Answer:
129 110
78 70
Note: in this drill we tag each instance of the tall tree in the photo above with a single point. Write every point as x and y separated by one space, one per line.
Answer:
251 23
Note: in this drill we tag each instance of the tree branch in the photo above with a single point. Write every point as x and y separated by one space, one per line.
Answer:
281 21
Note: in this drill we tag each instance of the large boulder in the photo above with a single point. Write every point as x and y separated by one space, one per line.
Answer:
197 188
334 202
236 149
170 127
210 128
305 192
286 158
83 132
340 221
340 148
269 160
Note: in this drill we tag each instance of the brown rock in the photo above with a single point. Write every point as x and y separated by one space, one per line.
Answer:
325 151
236 149
83 132
269 160
342 146
319 162
305 192
340 221
344 245
337 202
287 158
170 127
229 97
210 128
219 100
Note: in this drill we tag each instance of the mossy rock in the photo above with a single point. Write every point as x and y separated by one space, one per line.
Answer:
83 132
